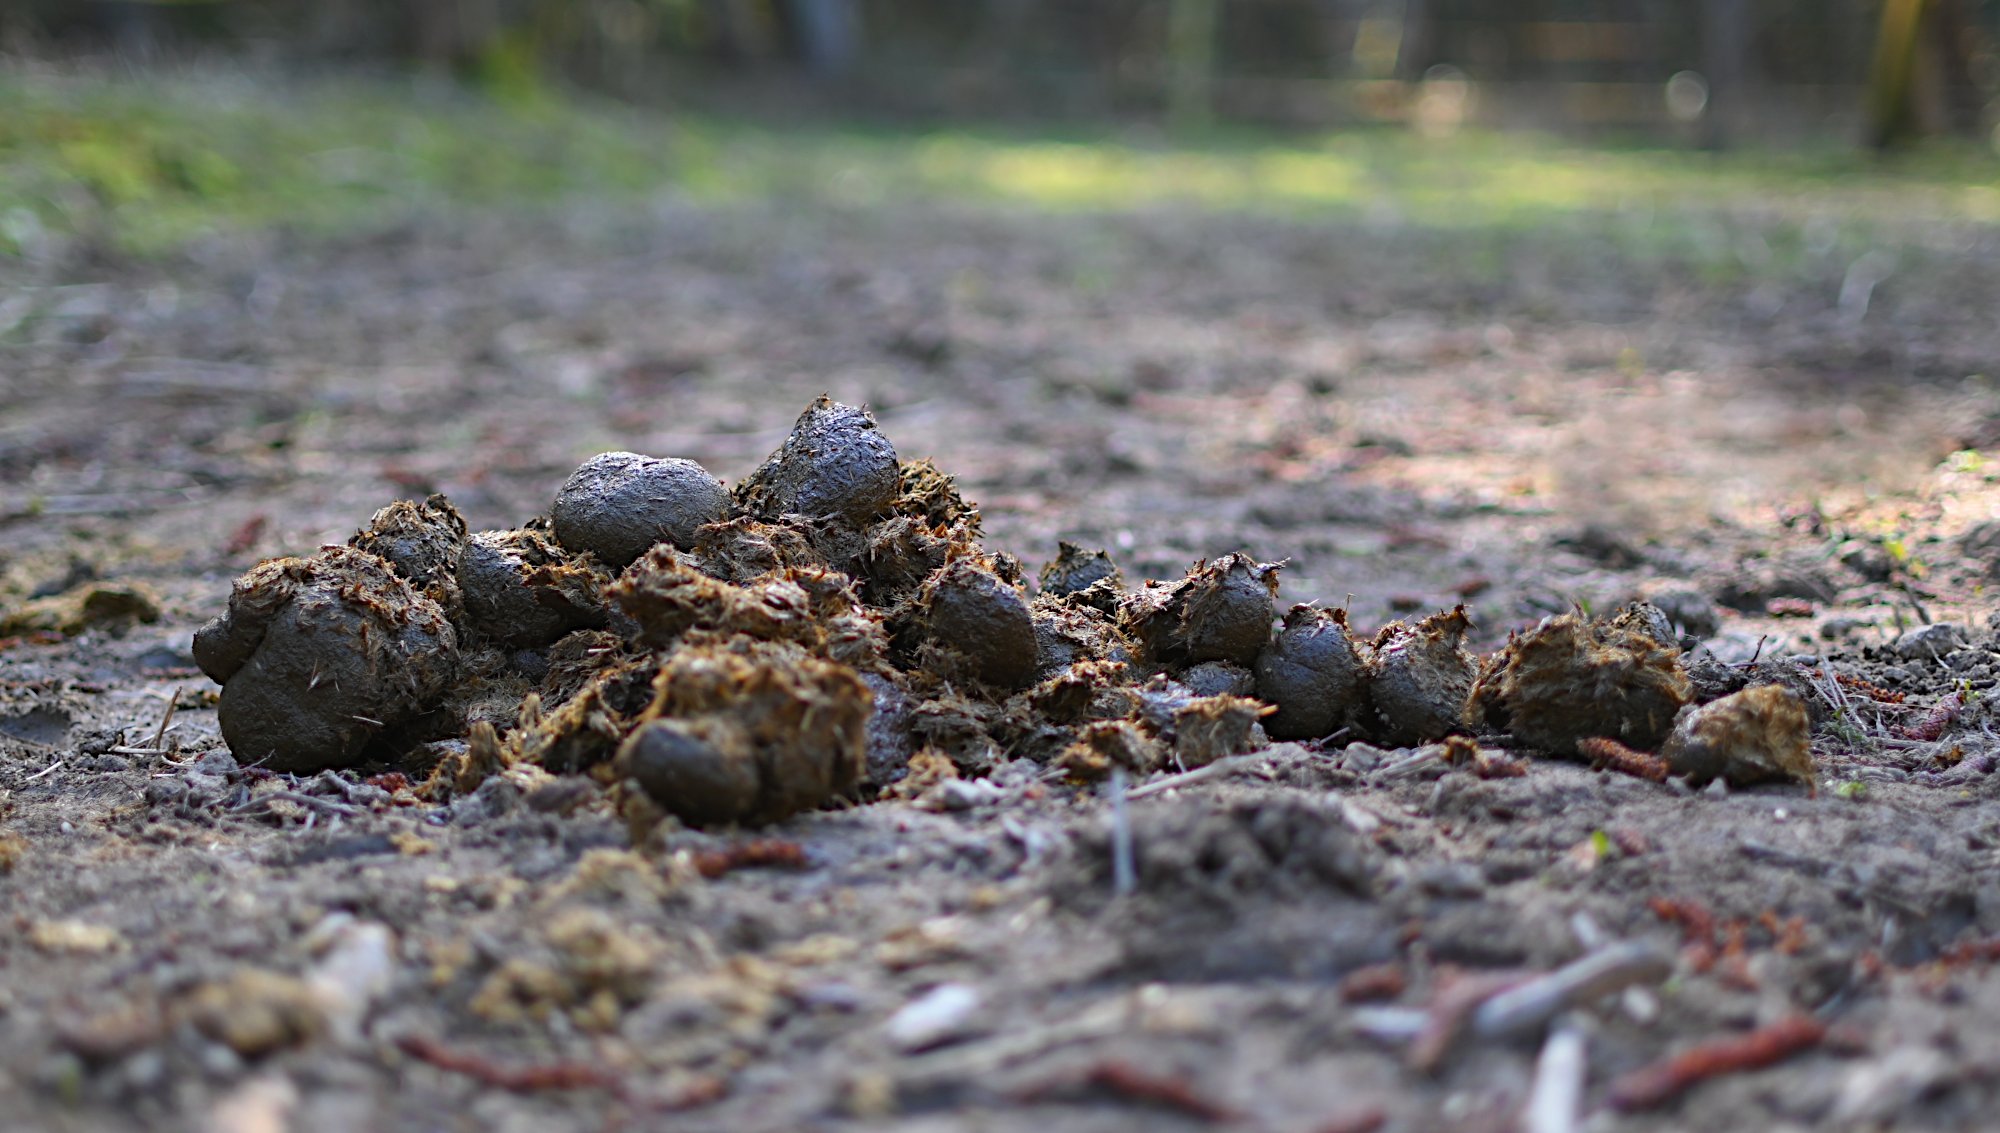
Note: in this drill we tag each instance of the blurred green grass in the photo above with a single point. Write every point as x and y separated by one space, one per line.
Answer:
145 164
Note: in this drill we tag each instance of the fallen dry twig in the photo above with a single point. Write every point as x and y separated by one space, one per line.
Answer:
1666 1079
770 853
1129 1083
1598 974
1556 1100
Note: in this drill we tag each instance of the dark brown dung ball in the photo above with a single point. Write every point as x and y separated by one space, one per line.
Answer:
749 732
835 463
1077 568
702 774
422 542
319 656
1222 611
524 590
1571 679
1310 674
619 504
966 610
1419 678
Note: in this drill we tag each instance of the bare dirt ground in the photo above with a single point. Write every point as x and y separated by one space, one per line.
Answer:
1773 466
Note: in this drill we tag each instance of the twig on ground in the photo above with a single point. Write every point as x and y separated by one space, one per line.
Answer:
1411 764
1373 983
776 853
1556 1100
1367 1119
514 1079
1132 1084
160 733
1124 877
1216 770
1598 974
43 771
1457 996
1666 1079
258 801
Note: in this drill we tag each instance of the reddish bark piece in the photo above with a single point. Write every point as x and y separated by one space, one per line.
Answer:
1661 1082
246 534
1372 983
1697 928
1611 755
1935 721
1873 692
514 1079
535 1078
1457 996
776 853
1365 1120
1133 1084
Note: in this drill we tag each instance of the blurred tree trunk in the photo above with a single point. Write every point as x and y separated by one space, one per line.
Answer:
1415 49
828 33
1191 26
1725 50
742 34
1954 42
1891 109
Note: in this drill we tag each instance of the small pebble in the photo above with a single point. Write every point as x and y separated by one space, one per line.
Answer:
938 1016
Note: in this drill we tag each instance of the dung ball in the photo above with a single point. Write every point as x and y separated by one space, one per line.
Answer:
969 611
617 505
1420 678
702 782
1221 611
835 463
1760 734
525 590
1571 679
319 657
1311 674
1075 569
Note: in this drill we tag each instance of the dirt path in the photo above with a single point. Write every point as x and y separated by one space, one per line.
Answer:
1397 423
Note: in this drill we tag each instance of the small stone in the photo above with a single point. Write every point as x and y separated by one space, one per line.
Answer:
1929 642
256 1012
938 1016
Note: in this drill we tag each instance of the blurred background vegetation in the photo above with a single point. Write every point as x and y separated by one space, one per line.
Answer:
136 123
1745 68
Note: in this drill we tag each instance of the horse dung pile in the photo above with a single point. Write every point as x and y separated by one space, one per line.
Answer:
833 622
